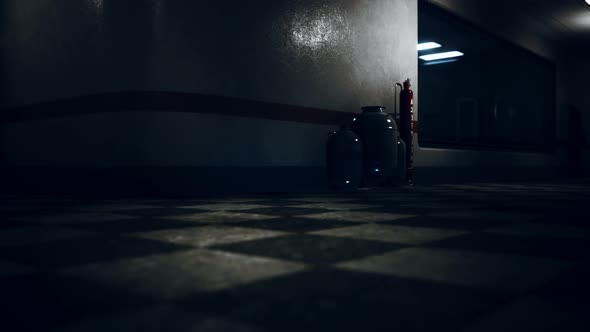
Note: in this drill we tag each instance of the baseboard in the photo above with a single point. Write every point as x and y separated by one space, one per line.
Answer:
439 175
161 181
115 182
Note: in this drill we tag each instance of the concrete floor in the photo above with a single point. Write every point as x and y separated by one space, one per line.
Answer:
471 257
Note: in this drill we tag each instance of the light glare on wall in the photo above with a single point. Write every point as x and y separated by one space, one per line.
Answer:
440 56
439 62
430 45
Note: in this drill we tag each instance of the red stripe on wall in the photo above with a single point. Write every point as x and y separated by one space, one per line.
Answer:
173 102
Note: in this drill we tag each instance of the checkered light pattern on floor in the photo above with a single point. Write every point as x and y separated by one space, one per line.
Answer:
475 257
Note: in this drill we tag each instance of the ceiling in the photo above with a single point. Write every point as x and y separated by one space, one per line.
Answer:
559 18
547 26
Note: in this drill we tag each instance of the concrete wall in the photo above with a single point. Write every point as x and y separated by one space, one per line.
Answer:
331 54
328 54
576 89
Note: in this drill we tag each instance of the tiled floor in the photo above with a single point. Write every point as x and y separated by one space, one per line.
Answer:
476 257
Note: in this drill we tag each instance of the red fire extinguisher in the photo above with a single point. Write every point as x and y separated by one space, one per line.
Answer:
406 128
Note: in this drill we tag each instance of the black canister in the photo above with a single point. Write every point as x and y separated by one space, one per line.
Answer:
344 159
378 132
399 175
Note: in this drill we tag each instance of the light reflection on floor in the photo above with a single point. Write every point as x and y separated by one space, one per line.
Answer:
477 257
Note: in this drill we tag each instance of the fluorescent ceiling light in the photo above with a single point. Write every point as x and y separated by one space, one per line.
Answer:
430 45
439 56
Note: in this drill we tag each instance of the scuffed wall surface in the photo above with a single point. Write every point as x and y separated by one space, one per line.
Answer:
162 139
331 54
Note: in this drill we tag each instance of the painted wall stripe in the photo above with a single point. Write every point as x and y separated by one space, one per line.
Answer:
173 102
